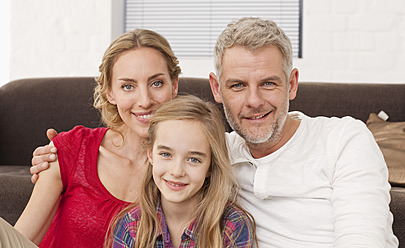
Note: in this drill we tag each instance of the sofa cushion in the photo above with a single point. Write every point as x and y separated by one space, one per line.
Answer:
390 137
15 191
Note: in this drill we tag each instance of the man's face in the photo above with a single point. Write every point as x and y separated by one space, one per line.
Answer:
254 92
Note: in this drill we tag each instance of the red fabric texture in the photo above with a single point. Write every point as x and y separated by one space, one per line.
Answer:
86 207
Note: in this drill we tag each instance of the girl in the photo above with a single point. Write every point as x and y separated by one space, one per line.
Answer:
99 171
189 192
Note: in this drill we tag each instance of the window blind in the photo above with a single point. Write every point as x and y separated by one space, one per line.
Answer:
192 26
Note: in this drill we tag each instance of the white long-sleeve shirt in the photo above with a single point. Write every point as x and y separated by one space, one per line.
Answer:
326 187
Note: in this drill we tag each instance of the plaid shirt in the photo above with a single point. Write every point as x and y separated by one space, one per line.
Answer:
237 231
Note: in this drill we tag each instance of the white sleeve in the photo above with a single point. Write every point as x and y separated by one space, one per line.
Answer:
360 198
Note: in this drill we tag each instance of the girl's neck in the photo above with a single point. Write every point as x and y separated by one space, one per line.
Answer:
178 217
180 213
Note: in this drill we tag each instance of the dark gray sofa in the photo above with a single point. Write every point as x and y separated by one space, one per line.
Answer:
29 106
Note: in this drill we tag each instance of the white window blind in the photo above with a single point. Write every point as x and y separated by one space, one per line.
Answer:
192 26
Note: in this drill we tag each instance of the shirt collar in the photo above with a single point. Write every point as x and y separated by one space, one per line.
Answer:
164 233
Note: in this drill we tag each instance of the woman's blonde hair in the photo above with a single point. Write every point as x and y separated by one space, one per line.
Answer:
125 42
219 189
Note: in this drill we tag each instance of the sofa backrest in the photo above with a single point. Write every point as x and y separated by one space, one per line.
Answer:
28 107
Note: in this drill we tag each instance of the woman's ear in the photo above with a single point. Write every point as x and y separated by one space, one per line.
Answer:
111 98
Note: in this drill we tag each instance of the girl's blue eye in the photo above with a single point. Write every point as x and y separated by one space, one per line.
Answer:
195 160
157 83
165 154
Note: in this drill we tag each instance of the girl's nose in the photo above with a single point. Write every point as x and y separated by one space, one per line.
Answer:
177 169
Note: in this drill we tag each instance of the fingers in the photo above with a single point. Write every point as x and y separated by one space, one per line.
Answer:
34 178
35 170
51 133
38 168
44 150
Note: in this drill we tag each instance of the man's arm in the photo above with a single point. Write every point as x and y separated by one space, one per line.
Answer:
42 156
361 196
41 208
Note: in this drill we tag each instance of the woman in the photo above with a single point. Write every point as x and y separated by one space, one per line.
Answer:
99 171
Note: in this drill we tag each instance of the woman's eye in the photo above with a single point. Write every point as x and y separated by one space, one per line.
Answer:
157 83
127 87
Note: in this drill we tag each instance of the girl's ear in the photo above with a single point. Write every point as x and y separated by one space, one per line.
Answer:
150 159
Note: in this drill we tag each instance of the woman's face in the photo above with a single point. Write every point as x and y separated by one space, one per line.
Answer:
140 84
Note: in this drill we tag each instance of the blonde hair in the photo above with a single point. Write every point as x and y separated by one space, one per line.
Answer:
128 41
220 187
253 33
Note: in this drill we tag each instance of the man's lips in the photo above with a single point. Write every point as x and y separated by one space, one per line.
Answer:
257 117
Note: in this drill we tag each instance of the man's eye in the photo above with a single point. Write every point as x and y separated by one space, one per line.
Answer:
236 86
157 83
270 85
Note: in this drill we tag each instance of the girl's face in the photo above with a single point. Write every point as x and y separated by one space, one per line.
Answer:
181 157
140 84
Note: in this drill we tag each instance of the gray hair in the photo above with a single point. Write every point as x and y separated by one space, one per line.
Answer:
253 33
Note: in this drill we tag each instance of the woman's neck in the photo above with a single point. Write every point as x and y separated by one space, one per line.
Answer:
128 143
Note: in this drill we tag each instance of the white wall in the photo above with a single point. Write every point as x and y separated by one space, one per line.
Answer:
58 38
4 41
343 41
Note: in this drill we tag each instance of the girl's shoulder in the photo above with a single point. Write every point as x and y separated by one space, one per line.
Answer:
238 228
127 225
234 212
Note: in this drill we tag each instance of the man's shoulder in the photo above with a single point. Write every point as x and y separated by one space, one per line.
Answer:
330 124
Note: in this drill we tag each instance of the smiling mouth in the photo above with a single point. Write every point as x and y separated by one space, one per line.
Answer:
258 117
144 116
175 184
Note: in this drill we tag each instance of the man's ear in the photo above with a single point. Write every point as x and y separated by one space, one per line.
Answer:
111 98
293 84
214 83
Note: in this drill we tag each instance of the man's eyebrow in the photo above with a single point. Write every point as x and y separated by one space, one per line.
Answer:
272 78
234 80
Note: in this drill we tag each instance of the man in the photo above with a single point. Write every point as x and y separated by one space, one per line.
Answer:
308 182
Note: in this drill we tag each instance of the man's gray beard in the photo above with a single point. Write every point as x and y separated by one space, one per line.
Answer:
269 135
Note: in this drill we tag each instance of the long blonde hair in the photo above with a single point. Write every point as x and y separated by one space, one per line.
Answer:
219 189
126 42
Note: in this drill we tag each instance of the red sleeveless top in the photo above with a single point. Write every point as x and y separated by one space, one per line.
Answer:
86 207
